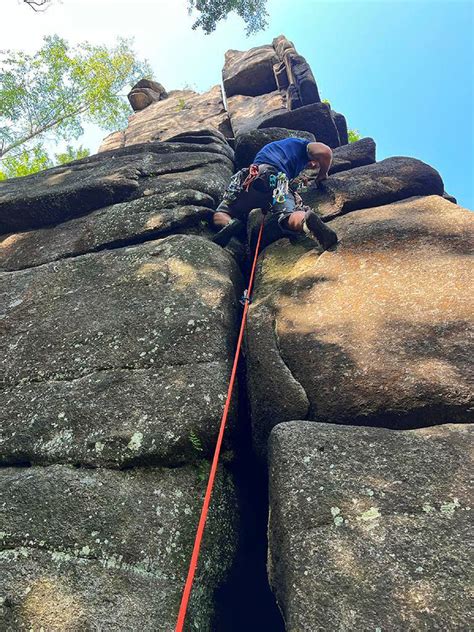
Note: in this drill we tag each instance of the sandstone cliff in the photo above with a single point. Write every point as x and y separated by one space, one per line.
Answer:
119 317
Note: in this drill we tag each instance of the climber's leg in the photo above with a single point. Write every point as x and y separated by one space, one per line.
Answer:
231 216
305 222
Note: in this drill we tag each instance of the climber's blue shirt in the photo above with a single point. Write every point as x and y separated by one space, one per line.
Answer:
288 155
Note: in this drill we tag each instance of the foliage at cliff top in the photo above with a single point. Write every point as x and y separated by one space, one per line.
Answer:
354 135
36 159
51 94
253 13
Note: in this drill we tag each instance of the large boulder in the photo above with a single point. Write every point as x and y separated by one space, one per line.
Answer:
117 357
144 93
357 335
300 74
248 113
75 189
249 144
281 76
357 154
315 118
283 46
369 528
341 124
384 182
182 110
140 220
98 549
293 99
250 72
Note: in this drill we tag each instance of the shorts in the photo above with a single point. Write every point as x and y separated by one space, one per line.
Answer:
259 195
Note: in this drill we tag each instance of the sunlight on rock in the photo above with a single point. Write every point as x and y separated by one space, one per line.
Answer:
12 240
49 605
343 557
58 178
155 222
183 274
152 268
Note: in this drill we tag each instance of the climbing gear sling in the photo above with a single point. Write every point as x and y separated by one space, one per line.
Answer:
280 185
210 483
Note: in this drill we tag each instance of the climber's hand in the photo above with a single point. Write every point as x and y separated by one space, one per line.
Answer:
321 176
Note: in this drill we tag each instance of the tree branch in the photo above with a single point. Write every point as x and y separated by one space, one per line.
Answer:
44 128
37 5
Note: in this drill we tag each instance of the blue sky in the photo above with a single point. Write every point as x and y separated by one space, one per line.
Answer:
401 72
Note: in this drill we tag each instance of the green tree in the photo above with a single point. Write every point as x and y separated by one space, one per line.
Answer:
353 135
35 159
51 94
70 154
24 162
253 13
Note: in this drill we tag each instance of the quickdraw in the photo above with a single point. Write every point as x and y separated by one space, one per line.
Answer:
280 186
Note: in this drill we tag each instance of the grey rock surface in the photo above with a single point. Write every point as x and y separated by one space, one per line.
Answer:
75 189
384 182
341 124
146 218
97 549
293 99
369 340
315 118
248 113
302 77
357 154
181 111
118 356
369 528
249 72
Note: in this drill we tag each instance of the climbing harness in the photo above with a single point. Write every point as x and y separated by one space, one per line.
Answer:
212 474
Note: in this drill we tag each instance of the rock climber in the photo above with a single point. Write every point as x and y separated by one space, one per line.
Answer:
265 185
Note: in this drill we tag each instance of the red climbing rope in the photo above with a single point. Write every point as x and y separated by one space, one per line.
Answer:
210 483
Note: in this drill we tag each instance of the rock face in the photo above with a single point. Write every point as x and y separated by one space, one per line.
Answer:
142 219
360 335
118 322
144 93
315 118
83 548
75 189
357 154
368 527
251 72
273 86
158 331
117 337
182 110
387 181
247 113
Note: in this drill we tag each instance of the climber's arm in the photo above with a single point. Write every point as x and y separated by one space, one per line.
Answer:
320 155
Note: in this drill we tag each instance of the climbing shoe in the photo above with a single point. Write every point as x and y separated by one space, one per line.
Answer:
235 228
314 227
